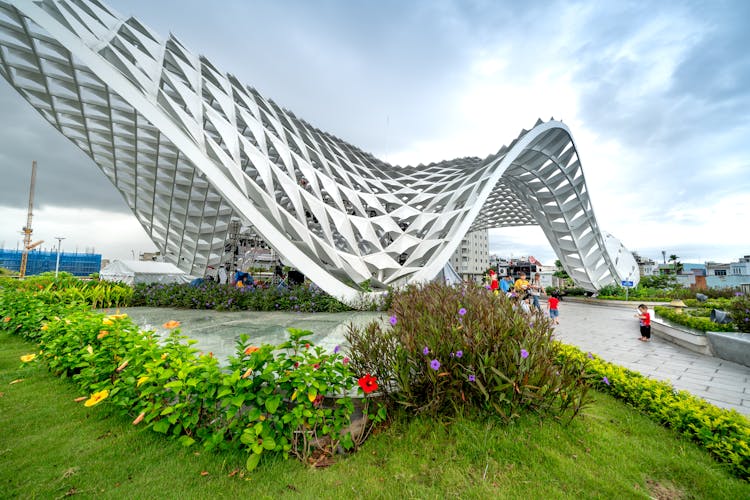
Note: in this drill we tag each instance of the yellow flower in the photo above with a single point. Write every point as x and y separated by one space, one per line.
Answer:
89 349
164 356
102 334
96 398
141 381
171 324
44 327
118 316
28 357
294 395
107 321
311 396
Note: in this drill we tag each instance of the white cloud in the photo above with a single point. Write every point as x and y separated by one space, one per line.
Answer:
114 235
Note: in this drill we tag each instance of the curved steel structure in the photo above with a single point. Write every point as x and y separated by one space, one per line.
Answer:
191 148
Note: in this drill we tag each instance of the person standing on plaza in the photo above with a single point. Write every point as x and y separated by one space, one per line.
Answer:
644 319
222 275
493 281
505 285
522 286
536 290
552 305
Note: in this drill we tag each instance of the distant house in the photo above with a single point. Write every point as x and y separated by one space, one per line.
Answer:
646 266
732 275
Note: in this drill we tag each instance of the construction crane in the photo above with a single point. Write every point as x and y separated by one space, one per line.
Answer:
27 229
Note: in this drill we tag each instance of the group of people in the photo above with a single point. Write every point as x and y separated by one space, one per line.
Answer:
526 292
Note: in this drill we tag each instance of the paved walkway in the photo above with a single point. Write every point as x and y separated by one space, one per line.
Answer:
612 333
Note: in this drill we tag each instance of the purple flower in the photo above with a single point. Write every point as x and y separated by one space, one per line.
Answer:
393 320
459 354
336 349
472 378
462 311
605 380
589 355
426 351
738 294
435 364
524 353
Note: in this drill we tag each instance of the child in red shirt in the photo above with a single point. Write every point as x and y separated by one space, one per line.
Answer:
554 313
645 320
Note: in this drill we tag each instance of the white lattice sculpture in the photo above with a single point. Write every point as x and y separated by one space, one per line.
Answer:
191 148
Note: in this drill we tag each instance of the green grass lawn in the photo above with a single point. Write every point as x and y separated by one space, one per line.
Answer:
51 447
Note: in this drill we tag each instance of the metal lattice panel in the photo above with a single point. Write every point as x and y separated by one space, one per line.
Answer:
191 148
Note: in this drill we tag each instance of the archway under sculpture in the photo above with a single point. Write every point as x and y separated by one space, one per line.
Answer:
191 149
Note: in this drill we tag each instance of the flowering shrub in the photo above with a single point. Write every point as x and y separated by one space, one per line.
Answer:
739 310
291 398
211 295
449 348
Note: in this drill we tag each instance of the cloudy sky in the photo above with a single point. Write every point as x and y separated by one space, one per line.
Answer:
657 95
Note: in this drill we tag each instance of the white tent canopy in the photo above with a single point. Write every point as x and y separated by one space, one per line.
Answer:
133 272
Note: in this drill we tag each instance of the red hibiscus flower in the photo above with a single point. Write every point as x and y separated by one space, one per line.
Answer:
368 383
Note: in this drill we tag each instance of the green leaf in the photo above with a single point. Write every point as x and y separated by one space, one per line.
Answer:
186 441
272 403
247 437
161 426
252 461
253 414
269 443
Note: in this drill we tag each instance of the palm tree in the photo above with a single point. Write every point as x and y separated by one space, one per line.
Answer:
676 264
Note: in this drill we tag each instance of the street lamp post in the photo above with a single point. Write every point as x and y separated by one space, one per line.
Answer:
57 264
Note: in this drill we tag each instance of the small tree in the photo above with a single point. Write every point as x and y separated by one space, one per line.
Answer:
676 264
562 274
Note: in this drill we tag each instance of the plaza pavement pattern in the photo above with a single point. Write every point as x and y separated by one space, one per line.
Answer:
612 333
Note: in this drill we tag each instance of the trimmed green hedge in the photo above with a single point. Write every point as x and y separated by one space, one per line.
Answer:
698 323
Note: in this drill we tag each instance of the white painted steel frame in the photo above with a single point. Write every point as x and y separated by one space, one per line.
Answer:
191 148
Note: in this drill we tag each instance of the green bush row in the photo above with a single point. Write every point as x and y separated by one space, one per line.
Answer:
212 295
724 433
289 398
702 324
66 289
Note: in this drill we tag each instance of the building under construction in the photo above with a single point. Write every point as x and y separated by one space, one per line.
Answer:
37 262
